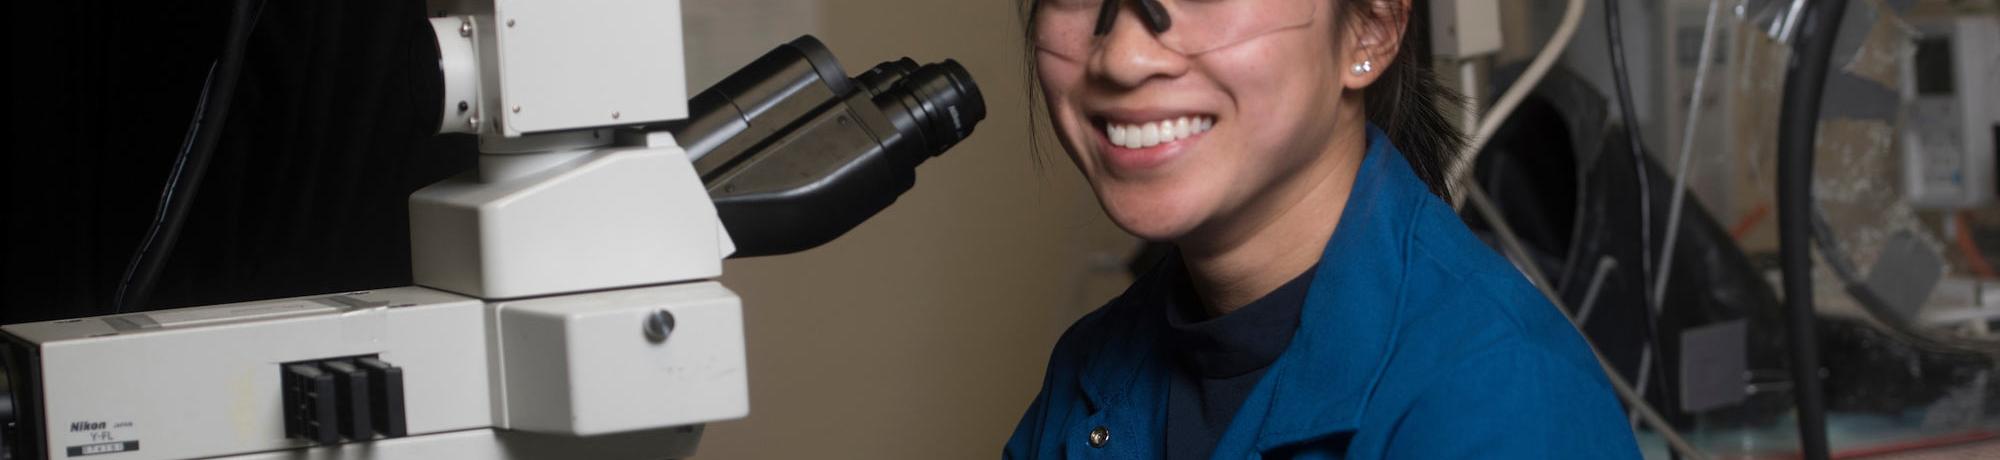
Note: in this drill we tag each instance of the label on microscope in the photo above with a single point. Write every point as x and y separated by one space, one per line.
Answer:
94 437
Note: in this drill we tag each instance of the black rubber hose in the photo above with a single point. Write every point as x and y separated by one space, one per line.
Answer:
204 133
1622 78
1798 125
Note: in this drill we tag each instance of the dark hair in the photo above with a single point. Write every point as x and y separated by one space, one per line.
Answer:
1407 101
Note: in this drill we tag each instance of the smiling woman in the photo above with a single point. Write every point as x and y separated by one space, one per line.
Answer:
1322 300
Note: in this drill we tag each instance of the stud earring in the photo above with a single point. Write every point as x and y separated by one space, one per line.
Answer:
1364 67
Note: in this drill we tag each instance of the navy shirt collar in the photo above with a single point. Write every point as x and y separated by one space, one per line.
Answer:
1244 340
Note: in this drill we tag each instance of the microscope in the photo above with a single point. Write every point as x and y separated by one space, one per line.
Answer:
564 304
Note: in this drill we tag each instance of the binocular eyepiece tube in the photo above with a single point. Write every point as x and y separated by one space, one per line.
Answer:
795 153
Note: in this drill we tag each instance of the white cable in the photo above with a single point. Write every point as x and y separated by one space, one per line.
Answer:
1680 192
1511 245
1605 264
1791 21
1645 375
1461 167
1468 85
1681 174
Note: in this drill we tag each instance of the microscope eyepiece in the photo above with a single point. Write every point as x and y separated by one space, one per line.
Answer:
794 153
942 100
884 77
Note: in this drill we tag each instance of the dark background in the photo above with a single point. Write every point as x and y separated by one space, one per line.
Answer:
306 192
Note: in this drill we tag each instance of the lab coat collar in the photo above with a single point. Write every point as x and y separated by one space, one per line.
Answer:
1130 345
1323 383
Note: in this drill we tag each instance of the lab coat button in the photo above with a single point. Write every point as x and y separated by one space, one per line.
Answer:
1099 436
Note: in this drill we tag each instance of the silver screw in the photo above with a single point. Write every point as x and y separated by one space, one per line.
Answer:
659 325
510 23
465 28
517 109
614 115
472 122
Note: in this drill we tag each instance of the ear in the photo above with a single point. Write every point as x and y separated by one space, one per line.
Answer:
1375 34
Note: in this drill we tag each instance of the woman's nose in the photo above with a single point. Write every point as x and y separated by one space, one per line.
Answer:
1131 55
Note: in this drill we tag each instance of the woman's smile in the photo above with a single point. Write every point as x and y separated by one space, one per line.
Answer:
1132 145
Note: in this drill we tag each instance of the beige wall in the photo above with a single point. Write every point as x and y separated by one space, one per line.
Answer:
923 333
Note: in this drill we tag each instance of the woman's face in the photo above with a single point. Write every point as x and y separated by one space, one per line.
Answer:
1269 104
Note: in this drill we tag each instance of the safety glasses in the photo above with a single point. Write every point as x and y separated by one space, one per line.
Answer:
1073 28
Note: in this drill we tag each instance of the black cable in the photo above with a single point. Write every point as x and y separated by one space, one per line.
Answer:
1798 125
218 90
1622 78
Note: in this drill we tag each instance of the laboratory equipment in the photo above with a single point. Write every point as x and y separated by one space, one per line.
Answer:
1952 85
565 305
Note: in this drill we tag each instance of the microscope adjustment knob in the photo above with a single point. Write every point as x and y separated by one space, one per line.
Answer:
659 325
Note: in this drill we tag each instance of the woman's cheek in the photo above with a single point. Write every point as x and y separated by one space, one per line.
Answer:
1059 78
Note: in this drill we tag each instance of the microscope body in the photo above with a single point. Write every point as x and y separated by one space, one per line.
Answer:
563 306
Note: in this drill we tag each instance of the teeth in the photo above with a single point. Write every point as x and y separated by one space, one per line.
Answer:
1135 136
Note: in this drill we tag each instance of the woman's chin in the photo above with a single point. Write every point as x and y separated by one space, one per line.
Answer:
1151 220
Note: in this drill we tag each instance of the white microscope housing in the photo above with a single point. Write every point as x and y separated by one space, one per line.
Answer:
563 306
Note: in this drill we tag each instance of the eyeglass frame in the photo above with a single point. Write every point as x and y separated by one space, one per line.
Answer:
1151 12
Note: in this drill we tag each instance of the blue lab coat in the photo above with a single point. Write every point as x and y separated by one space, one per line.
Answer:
1417 341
